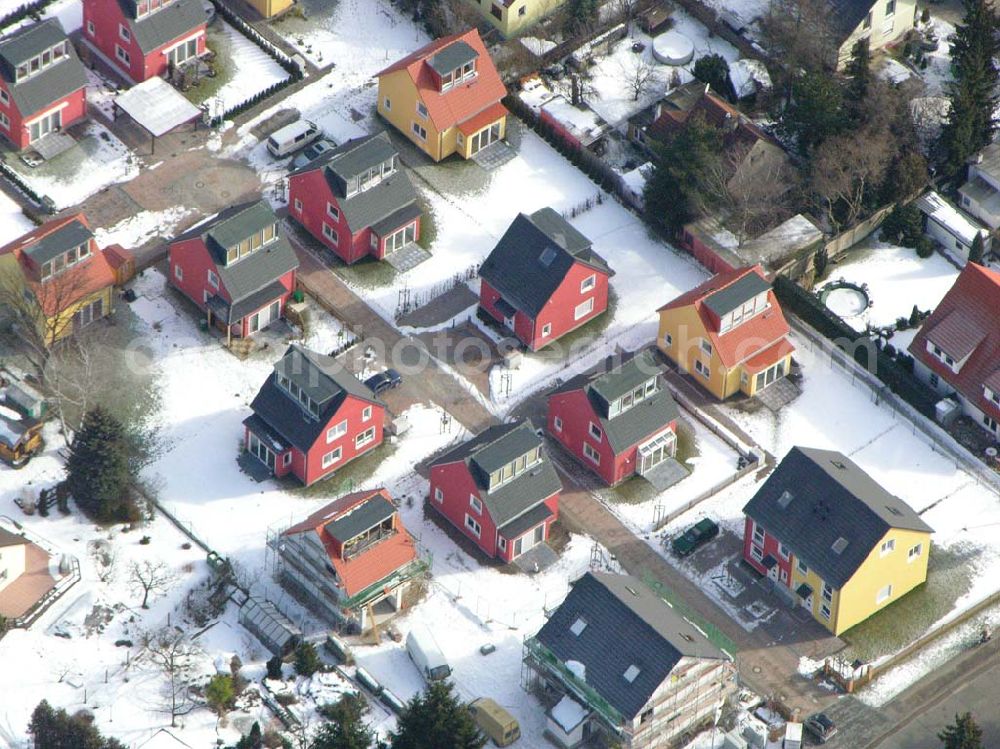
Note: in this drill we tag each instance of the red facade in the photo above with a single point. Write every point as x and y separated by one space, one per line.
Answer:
452 485
105 27
189 263
559 129
307 466
71 108
704 254
309 198
754 552
559 312
575 413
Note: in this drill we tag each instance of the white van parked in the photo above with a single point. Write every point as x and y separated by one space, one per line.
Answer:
426 654
291 138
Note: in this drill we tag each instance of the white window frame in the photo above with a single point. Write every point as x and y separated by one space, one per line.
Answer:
888 546
330 233
825 612
757 531
178 272
286 459
4 121
827 592
590 452
701 368
668 340
557 424
915 552
4 97
422 112
298 205
801 567
366 414
365 438
123 33
884 594
332 457
438 494
588 283
473 525
756 553
706 346
387 103
476 504
417 129
333 212
583 309
213 280
122 55
91 30
595 431
337 431
546 330
783 551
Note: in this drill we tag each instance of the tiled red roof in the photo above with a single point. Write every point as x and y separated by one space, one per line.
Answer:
769 356
72 284
117 255
375 563
967 314
717 112
459 103
744 342
484 118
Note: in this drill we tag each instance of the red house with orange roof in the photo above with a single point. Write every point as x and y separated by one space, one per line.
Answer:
729 333
67 278
351 560
445 97
957 350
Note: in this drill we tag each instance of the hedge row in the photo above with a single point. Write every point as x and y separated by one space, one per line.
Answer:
251 102
255 36
15 179
808 306
22 12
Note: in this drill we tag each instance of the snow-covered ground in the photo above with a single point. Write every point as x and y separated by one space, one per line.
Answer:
136 230
69 13
13 222
897 278
250 69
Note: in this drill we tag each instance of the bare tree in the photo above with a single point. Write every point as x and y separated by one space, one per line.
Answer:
637 77
800 33
845 168
174 655
105 557
149 577
757 183
624 11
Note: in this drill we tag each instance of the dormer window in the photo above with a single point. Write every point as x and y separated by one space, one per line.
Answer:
458 75
942 356
632 398
297 394
252 243
991 395
41 61
515 468
144 7
66 260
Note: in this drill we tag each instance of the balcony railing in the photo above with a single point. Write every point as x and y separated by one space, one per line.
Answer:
545 657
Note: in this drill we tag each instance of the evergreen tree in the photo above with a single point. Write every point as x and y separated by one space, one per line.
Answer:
976 250
906 176
580 14
345 729
307 660
859 80
677 191
436 719
97 470
816 111
973 95
253 740
219 693
714 70
57 729
962 734
274 668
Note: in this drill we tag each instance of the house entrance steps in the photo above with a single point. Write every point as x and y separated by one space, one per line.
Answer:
536 559
407 257
51 145
779 394
665 474
495 155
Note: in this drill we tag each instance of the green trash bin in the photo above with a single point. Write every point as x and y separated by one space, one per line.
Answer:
203 325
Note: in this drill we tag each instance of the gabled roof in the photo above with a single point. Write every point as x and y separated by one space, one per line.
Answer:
171 22
329 385
459 103
814 498
845 15
965 323
70 285
626 626
48 86
393 200
744 341
493 448
11 539
257 270
633 425
345 518
533 257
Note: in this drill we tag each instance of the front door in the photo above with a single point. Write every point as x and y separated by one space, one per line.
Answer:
484 138
258 449
539 534
47 124
262 319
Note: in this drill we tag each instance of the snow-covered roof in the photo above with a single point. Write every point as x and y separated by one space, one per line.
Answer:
584 124
748 76
962 226
568 713
635 179
157 106
783 240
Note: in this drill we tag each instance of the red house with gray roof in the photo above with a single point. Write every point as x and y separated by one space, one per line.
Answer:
351 558
311 417
357 200
42 83
957 350
145 38
543 279
499 489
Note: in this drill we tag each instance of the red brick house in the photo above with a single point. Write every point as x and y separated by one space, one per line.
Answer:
42 83
350 557
357 200
499 489
543 279
617 423
237 267
311 417
143 38
957 350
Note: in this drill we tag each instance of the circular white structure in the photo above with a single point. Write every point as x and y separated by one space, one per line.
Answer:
846 301
673 48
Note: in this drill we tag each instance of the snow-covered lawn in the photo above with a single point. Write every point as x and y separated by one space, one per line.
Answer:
69 13
611 76
247 70
136 230
13 222
896 279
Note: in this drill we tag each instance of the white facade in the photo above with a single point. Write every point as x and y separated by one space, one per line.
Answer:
980 195
948 226
940 386
12 563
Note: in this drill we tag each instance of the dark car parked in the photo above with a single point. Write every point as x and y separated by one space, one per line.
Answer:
379 383
821 727
698 534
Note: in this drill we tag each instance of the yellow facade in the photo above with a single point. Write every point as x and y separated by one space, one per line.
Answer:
520 15
683 339
271 8
864 594
397 103
879 27
60 326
